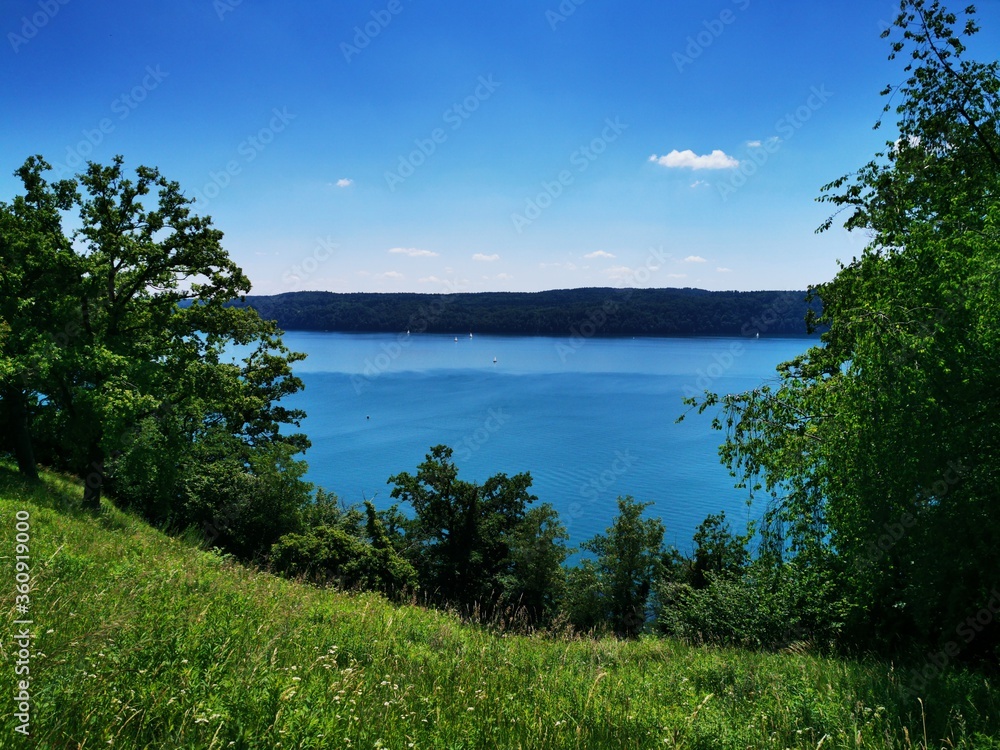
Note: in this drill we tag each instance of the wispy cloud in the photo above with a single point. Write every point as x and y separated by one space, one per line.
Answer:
486 258
599 254
567 266
413 252
754 144
695 259
699 183
393 275
722 269
688 159
504 276
344 182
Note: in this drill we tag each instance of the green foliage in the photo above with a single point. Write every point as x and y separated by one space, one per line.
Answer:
877 449
536 583
331 555
584 604
144 642
113 360
760 607
562 312
717 551
36 264
618 584
244 509
460 537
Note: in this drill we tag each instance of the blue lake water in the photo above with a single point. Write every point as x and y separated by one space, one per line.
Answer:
589 419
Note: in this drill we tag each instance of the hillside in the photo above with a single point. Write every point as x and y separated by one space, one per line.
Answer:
564 312
142 641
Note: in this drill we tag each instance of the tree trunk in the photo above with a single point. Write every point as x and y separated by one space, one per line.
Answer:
93 478
20 431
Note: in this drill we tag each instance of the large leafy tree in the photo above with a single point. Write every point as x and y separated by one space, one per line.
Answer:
36 266
462 534
142 390
878 448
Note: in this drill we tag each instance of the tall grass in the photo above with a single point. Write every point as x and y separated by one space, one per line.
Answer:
143 641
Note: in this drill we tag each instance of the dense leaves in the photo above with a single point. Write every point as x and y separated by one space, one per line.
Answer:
878 449
116 358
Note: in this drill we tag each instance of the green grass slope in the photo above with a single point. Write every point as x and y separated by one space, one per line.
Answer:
141 641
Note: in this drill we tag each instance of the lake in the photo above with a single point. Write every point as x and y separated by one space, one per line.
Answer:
590 419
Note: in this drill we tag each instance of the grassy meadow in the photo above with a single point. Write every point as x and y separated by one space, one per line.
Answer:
141 640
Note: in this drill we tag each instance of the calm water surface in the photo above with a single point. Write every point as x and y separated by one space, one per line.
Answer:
589 419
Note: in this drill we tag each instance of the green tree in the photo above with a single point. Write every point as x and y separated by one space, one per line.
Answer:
878 448
461 534
717 550
335 550
536 582
118 362
629 559
37 265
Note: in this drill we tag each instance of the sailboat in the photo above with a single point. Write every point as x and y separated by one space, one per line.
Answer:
494 360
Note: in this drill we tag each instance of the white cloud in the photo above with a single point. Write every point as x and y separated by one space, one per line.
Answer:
688 159
486 258
695 259
344 182
699 183
567 266
431 280
754 144
599 254
413 252
504 276
619 273
393 275
722 269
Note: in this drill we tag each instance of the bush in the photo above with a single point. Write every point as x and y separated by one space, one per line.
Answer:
328 554
765 608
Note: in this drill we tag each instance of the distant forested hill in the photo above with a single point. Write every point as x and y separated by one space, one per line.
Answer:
582 312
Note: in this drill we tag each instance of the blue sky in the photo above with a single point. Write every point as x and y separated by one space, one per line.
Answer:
405 145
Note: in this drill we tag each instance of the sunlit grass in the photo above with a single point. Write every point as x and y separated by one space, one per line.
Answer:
143 641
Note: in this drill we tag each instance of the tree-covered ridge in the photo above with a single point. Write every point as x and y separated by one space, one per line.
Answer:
563 312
